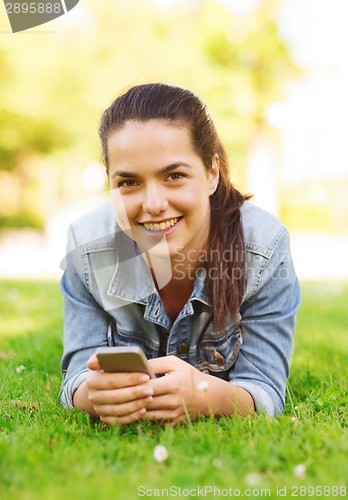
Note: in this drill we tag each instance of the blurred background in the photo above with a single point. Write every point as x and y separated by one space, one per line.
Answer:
273 73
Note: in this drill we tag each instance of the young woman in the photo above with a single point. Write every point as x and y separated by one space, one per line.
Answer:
181 265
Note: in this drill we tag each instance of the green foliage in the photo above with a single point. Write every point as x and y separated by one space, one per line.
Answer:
48 453
317 207
249 54
55 86
21 220
24 136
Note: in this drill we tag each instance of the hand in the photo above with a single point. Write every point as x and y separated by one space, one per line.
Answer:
117 398
176 397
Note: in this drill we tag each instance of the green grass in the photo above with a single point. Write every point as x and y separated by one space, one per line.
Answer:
47 453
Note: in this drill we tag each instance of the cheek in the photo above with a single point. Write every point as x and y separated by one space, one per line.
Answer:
124 209
196 205
130 208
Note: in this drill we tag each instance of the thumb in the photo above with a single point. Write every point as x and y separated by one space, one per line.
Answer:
93 363
165 364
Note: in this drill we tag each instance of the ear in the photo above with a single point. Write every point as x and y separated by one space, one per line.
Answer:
214 174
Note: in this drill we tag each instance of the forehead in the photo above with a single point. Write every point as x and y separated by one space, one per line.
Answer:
139 137
148 148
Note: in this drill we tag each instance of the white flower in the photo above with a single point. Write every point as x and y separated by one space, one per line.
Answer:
218 463
252 479
160 453
20 369
296 421
203 386
300 471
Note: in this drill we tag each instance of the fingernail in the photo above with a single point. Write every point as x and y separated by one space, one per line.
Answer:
144 378
148 391
142 411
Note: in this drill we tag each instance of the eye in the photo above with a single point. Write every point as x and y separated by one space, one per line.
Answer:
175 176
128 183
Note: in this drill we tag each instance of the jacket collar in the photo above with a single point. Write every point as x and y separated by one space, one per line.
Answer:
132 280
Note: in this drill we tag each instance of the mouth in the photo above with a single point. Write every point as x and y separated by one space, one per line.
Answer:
157 227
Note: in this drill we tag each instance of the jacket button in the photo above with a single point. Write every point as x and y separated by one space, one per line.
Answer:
183 348
218 358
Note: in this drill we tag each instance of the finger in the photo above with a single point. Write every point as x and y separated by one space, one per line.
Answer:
165 364
164 418
122 410
160 415
168 402
93 363
126 420
119 396
98 380
165 385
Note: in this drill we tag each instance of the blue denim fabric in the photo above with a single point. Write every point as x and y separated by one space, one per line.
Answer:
110 299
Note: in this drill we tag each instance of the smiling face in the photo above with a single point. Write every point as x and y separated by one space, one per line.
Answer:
163 186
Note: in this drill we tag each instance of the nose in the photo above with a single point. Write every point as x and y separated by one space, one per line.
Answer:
155 200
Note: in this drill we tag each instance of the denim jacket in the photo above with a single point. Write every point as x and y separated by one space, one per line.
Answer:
110 299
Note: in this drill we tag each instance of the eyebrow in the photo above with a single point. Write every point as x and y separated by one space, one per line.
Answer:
161 171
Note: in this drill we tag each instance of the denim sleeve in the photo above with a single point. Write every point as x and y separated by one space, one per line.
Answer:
268 325
85 323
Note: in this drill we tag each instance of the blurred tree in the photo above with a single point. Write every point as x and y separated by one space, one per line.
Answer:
249 68
27 127
54 86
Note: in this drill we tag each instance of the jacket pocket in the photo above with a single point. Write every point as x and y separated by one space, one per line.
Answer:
217 353
119 337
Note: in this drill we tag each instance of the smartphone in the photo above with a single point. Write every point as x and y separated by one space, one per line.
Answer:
124 359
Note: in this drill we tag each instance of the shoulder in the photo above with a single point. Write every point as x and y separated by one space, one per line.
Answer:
262 230
96 228
267 247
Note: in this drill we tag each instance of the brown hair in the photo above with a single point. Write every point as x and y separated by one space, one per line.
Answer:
168 103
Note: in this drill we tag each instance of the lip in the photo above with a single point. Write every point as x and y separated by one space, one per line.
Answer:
159 220
159 234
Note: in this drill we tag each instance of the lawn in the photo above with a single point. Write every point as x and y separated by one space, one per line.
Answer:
47 453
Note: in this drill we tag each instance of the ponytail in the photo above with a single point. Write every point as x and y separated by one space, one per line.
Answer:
226 276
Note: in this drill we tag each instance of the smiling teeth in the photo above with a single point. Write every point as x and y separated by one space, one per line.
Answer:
162 226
